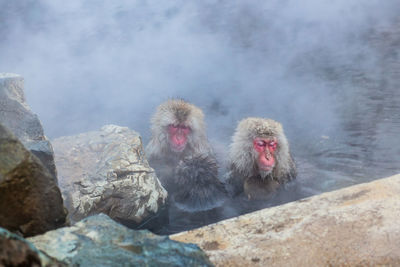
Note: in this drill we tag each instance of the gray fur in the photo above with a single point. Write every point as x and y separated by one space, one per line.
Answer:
176 111
242 157
198 187
194 167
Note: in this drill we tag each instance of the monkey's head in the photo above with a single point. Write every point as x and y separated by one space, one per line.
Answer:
259 146
178 126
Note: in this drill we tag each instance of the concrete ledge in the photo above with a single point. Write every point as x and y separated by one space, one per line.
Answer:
358 225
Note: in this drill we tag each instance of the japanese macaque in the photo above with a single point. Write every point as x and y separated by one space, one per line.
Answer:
260 161
182 157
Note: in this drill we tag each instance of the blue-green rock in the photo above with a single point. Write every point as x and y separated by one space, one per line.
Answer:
100 241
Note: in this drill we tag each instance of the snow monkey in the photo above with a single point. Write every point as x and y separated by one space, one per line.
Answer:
182 157
259 157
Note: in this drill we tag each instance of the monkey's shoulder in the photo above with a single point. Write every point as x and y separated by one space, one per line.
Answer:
288 174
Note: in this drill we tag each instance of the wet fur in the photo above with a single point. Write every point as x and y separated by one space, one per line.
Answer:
244 174
197 184
190 176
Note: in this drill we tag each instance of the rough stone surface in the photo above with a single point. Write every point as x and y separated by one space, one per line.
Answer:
17 116
106 172
30 201
99 241
16 251
355 226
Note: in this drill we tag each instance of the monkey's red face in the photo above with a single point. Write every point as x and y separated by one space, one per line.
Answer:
178 136
265 148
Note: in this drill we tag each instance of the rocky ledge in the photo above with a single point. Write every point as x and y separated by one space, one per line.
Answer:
355 226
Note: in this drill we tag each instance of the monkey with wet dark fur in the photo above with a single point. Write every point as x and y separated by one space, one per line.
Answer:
198 176
182 157
260 160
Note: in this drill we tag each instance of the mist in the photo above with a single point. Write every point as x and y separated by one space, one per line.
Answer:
90 63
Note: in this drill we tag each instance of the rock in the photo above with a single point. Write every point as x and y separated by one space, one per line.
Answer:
17 116
30 201
16 251
355 226
99 241
106 172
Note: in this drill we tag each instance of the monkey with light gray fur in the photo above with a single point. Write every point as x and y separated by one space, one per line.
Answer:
182 157
259 159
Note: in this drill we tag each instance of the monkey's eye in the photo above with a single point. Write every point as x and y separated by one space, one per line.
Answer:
172 129
261 143
272 145
185 129
178 128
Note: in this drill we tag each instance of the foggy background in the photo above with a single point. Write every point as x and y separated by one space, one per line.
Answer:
328 71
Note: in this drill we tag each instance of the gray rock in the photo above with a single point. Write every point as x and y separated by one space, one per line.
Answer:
30 201
17 116
99 241
106 172
16 251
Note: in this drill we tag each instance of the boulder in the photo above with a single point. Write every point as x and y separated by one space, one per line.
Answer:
99 241
106 172
17 116
16 251
30 200
355 226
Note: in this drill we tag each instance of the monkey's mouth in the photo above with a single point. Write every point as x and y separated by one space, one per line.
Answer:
178 147
265 168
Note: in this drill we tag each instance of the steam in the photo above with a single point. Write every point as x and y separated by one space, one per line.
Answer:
88 63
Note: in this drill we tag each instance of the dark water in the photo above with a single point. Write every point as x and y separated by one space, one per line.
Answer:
365 145
330 75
